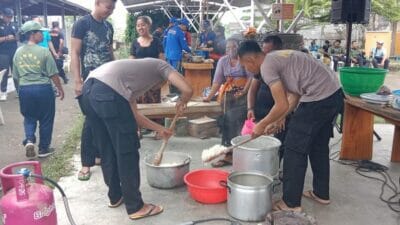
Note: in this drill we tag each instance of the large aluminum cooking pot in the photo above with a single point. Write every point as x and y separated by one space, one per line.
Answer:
260 154
169 174
249 195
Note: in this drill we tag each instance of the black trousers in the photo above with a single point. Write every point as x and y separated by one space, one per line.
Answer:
89 152
336 60
114 132
376 61
235 113
310 128
60 67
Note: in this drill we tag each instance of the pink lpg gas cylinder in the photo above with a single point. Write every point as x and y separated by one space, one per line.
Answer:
26 203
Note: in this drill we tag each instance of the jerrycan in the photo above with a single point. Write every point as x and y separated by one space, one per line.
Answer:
26 202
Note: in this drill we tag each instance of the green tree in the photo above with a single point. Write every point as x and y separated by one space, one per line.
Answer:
389 9
157 16
314 12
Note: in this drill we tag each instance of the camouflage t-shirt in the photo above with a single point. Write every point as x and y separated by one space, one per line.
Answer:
97 38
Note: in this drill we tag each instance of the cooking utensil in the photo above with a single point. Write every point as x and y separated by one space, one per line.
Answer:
197 59
249 195
170 173
209 154
158 157
260 155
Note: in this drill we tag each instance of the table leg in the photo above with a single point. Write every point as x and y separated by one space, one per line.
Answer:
357 134
396 145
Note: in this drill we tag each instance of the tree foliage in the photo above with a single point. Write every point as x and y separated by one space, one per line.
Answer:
390 9
157 16
316 10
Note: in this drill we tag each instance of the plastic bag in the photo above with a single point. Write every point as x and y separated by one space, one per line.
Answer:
248 127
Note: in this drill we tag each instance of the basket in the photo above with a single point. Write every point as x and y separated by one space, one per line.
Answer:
359 80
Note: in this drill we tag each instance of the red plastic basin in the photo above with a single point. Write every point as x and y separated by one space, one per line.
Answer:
204 185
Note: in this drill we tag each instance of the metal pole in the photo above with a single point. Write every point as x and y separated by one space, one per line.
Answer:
348 43
63 17
18 11
201 13
252 14
234 15
261 10
45 13
281 22
295 21
187 17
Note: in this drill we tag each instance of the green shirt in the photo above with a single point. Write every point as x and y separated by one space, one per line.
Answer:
33 65
354 53
336 51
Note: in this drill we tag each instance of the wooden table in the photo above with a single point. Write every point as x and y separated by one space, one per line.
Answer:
199 76
358 129
194 109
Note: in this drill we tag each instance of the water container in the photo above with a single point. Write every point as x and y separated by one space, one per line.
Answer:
359 80
27 203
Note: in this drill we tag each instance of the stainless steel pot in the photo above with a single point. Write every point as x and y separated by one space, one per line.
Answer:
261 154
169 174
197 59
249 195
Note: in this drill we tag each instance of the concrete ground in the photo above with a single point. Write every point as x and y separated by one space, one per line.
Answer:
355 199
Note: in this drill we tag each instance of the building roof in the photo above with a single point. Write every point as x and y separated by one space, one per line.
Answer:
54 7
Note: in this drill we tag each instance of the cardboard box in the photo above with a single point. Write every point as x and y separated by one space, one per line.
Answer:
180 126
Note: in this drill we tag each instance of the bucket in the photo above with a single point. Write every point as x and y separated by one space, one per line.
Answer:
359 80
260 154
169 174
249 196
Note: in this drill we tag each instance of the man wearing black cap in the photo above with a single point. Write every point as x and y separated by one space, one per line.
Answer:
8 46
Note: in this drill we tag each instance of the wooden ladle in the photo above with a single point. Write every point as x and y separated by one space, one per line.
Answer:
158 157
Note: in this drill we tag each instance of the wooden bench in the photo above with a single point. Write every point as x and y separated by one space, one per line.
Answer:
194 109
358 129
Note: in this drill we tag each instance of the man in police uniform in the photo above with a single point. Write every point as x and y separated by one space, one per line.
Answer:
8 46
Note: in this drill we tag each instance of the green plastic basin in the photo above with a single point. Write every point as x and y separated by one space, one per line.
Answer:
358 80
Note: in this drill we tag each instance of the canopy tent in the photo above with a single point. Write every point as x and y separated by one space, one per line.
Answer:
54 7
194 10
193 5
44 8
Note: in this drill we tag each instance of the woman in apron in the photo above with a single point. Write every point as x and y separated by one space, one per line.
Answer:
232 82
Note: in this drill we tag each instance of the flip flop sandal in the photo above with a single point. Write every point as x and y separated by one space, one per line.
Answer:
281 206
154 210
310 195
115 205
84 176
221 163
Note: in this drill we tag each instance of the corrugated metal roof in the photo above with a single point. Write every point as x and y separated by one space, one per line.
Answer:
54 7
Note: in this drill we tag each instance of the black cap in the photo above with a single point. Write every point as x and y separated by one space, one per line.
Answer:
7 12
